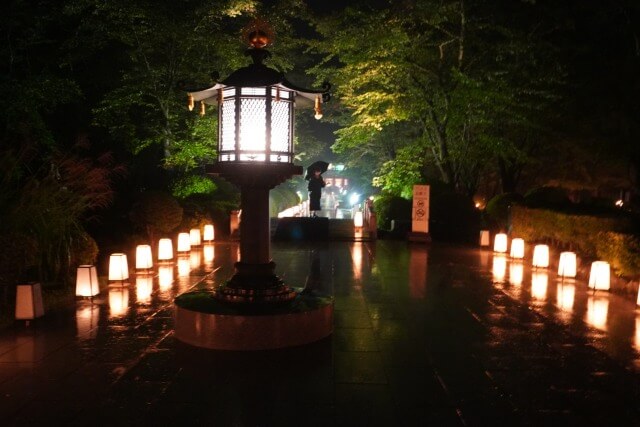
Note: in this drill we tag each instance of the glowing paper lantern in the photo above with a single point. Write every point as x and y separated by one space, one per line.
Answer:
209 233
541 256
485 238
358 220
87 281
567 266
118 267
500 243
600 276
194 237
184 242
517 248
165 250
144 260
29 301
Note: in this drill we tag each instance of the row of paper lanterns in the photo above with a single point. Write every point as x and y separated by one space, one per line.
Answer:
87 275
599 277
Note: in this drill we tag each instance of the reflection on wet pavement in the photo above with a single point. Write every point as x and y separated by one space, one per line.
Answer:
424 335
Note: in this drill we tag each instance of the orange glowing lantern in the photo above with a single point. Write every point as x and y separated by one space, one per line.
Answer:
500 243
599 278
29 301
485 238
184 242
541 256
209 233
517 248
118 267
165 250
144 260
567 266
87 281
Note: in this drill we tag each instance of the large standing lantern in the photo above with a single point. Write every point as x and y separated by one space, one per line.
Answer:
256 107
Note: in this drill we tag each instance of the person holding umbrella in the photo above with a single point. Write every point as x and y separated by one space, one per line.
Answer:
316 183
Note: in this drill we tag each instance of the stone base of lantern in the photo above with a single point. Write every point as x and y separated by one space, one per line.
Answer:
202 319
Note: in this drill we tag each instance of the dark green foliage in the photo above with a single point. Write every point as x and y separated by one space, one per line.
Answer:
453 216
282 197
622 251
547 197
389 207
155 213
497 210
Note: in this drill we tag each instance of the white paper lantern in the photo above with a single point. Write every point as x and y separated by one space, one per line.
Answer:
485 238
517 248
87 281
184 242
144 260
500 243
118 267
209 233
567 266
599 278
165 250
541 256
194 237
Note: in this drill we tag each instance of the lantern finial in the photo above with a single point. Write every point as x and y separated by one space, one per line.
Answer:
258 34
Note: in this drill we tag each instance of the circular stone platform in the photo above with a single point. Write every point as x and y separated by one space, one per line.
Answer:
203 321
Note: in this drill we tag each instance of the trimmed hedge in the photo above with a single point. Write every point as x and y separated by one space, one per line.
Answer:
606 238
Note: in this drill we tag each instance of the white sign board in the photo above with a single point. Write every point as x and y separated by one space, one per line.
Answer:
420 211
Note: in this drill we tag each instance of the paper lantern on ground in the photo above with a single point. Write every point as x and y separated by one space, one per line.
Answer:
87 281
29 301
184 242
500 243
144 260
485 238
358 220
541 256
517 248
209 233
118 267
567 266
194 237
165 250
600 276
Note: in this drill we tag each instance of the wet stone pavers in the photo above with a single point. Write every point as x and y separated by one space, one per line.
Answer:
423 336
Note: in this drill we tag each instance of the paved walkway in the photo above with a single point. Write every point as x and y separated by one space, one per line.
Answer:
424 335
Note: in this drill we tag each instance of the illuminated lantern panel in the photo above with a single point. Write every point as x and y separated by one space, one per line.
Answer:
541 256
358 219
118 267
144 260
87 281
194 237
485 238
567 266
500 243
517 248
184 242
209 233
539 281
165 250
516 273
600 276
499 269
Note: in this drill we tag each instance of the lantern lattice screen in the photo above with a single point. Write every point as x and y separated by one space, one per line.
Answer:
280 126
228 125
253 124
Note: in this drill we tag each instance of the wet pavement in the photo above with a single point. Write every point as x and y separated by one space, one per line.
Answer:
424 335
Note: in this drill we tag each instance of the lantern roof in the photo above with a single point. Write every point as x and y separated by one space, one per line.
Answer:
259 75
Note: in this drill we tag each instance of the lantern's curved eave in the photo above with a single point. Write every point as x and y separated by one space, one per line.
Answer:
258 75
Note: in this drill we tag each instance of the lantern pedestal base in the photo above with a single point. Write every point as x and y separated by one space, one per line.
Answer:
203 320
255 284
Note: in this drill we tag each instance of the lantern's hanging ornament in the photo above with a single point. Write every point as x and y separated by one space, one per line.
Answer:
191 103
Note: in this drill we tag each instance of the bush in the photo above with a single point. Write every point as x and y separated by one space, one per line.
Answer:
547 197
388 207
497 210
156 213
621 251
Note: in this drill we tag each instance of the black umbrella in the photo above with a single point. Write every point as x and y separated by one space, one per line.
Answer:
316 166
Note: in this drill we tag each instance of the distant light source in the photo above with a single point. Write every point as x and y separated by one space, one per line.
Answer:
118 267
144 260
485 238
184 242
567 266
194 237
619 203
354 198
358 220
165 250
209 233
87 281
541 256
500 243
599 278
517 248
